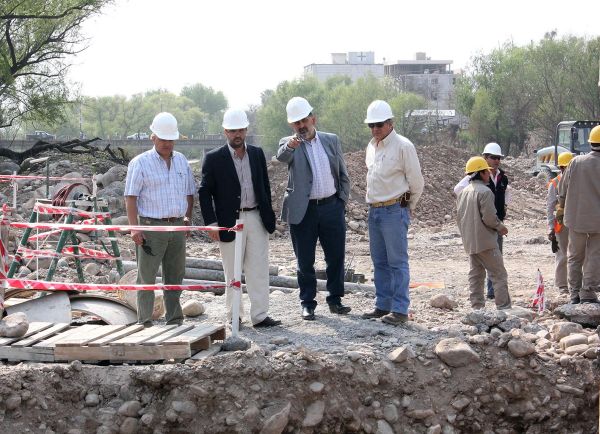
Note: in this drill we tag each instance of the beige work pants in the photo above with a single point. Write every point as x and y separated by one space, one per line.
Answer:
255 266
560 272
584 264
492 262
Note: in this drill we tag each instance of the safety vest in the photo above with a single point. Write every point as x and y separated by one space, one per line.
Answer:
554 181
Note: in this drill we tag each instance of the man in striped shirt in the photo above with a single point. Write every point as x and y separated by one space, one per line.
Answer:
159 191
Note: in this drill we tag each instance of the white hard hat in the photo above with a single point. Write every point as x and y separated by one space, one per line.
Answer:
493 149
235 119
297 108
378 111
164 126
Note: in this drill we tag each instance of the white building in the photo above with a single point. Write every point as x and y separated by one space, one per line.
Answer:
355 64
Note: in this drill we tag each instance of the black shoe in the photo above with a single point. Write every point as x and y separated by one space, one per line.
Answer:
395 318
268 322
376 313
339 308
490 296
308 313
575 300
589 300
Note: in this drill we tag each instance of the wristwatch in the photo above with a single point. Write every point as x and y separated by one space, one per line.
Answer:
186 219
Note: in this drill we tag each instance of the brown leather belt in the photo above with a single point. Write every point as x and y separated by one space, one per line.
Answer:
402 200
247 209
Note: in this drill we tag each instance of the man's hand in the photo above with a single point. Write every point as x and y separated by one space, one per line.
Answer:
187 222
137 237
503 231
552 235
294 142
560 213
214 235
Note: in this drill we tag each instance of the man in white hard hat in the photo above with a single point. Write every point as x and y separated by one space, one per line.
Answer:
159 191
235 185
314 203
394 186
579 203
498 183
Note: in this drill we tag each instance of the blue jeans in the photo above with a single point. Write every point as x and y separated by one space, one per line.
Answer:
325 223
490 287
388 227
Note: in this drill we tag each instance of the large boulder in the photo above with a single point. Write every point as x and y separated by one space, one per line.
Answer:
456 353
8 168
586 314
14 325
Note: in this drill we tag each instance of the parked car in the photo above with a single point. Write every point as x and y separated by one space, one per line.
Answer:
40 135
138 136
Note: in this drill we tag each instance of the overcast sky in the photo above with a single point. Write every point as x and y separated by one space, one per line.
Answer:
244 47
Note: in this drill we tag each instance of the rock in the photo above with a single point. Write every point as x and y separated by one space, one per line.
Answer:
130 408
8 168
147 419
316 387
577 349
92 400
594 339
520 348
171 415
383 427
562 329
442 301
390 413
455 352
120 221
354 225
587 314
12 402
520 312
279 340
574 339
420 414
192 308
14 325
401 354
277 423
569 389
129 426
235 344
510 324
435 429
354 355
184 407
93 269
460 403
314 414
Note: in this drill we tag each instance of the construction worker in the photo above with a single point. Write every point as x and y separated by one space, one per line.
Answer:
558 234
480 227
498 183
579 210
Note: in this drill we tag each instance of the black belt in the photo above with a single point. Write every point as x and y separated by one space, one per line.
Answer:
165 219
322 201
247 209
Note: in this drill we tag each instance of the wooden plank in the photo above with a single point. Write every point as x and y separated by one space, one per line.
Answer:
211 351
56 328
123 352
51 342
84 337
27 353
143 335
34 328
171 333
116 335
193 335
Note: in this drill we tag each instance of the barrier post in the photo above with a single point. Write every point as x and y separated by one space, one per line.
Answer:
15 263
237 277
3 260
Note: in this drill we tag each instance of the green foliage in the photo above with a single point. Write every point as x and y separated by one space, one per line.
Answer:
513 91
37 39
205 98
339 105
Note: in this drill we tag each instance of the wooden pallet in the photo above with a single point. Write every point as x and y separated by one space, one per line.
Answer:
47 342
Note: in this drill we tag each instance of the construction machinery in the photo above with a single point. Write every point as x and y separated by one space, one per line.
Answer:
571 136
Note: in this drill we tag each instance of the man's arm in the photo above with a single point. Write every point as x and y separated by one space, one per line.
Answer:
132 217
551 200
487 208
267 184
462 184
205 196
285 153
344 178
412 170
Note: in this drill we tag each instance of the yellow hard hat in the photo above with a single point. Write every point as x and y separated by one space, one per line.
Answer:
595 135
476 164
564 158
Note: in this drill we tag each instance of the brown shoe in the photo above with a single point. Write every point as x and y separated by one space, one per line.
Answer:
375 313
395 318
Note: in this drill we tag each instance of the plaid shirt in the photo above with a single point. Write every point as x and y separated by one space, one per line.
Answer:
161 192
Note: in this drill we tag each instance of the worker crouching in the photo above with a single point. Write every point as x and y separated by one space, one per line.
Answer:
479 227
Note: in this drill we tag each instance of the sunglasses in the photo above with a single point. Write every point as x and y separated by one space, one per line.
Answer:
494 157
147 249
376 125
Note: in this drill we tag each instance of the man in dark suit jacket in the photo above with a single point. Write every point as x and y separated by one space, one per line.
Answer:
235 180
314 204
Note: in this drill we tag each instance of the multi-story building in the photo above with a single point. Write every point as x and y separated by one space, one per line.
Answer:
354 64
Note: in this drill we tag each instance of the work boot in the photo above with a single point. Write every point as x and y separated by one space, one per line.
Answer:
575 299
395 318
588 296
375 313
563 290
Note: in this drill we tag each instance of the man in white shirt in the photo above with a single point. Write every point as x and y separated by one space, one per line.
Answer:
159 191
394 186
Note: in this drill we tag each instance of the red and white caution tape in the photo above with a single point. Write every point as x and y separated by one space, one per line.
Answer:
53 178
44 235
539 299
61 286
121 228
65 210
84 252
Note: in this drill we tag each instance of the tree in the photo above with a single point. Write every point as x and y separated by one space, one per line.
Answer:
36 40
205 98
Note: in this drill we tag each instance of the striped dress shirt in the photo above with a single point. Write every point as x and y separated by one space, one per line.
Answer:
161 192
323 183
242 167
